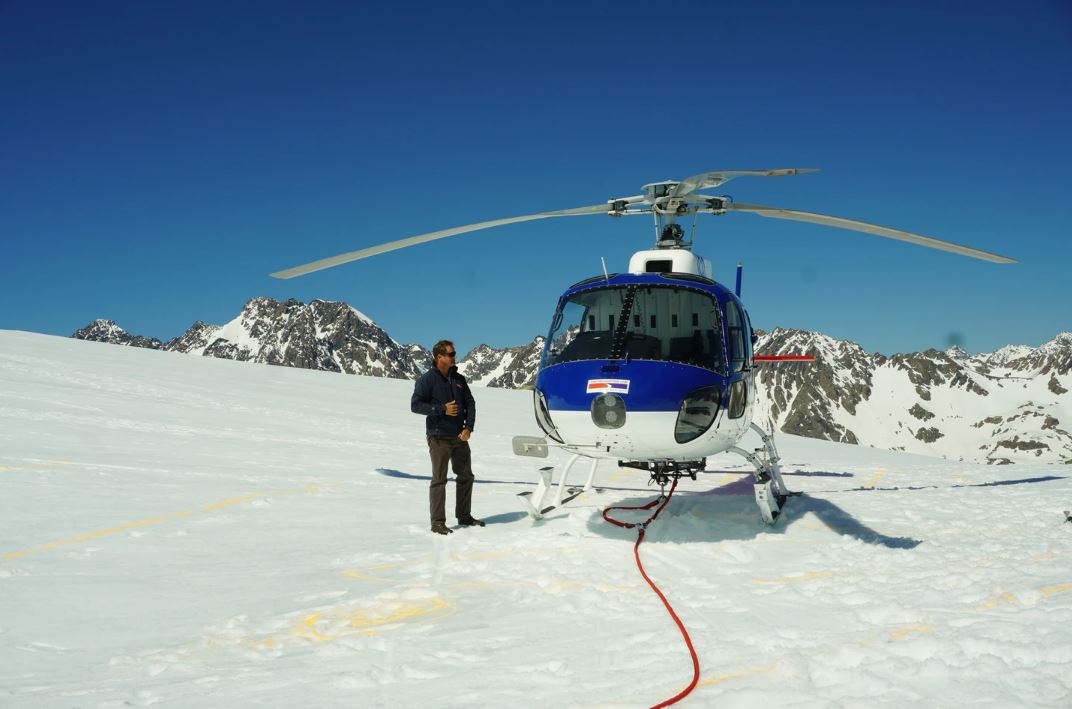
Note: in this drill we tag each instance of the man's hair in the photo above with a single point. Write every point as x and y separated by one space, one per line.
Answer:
441 347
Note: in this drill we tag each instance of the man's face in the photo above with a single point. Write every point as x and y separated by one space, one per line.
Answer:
447 357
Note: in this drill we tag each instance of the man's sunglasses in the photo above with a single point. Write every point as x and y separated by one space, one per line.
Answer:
450 354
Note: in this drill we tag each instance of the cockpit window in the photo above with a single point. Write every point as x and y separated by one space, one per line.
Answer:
584 326
647 322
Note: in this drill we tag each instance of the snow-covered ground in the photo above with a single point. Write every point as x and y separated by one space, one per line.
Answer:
199 532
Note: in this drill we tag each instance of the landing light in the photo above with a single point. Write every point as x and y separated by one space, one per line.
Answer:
608 411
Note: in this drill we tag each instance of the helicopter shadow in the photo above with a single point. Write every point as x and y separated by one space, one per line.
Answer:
485 481
728 512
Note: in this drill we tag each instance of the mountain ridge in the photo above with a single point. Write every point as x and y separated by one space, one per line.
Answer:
916 402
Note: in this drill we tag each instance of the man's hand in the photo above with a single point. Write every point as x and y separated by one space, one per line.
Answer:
464 435
451 408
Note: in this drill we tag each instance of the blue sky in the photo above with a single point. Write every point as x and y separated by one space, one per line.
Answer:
158 160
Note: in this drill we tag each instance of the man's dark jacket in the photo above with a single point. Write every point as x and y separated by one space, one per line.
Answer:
431 394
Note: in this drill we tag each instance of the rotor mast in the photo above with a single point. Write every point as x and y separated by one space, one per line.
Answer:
667 207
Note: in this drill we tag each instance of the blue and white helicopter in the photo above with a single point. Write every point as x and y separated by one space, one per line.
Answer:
653 368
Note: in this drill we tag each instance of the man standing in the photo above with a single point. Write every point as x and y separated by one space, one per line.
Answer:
443 396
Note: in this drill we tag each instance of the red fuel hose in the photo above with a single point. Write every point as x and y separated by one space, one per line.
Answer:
636 553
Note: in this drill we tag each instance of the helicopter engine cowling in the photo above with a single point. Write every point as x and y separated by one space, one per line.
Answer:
669 261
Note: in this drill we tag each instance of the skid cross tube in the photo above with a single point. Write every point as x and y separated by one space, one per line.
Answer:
535 501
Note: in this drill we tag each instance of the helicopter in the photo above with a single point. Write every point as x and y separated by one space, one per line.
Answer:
654 368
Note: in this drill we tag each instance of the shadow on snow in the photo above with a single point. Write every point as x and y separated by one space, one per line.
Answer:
729 512
484 481
992 483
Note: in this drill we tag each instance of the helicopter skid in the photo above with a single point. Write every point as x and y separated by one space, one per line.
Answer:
769 500
548 496
771 492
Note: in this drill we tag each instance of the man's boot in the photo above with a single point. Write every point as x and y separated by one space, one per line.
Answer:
441 528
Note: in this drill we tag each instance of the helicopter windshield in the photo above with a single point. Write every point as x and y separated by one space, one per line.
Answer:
648 322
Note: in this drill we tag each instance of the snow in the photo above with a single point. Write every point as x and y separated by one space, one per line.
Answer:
1005 355
186 531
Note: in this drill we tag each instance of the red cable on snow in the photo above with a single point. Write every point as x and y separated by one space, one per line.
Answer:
636 553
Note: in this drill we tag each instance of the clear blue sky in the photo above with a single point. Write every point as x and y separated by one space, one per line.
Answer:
159 159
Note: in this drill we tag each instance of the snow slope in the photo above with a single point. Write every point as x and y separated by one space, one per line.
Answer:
181 531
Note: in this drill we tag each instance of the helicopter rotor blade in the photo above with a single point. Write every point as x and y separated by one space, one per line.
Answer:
432 236
854 225
714 179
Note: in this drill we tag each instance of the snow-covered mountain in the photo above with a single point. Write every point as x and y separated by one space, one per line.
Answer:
509 368
1008 406
108 331
326 335
1011 405
323 335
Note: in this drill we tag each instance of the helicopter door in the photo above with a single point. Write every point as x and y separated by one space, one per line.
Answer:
739 338
739 341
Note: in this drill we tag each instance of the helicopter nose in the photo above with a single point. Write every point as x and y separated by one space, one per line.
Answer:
608 411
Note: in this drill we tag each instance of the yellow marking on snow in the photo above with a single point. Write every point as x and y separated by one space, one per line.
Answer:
994 602
341 621
5 470
1046 556
901 633
95 535
729 676
622 473
1054 590
875 478
233 501
1009 598
807 576
88 536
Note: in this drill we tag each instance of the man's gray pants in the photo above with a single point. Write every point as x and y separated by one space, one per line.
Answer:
451 449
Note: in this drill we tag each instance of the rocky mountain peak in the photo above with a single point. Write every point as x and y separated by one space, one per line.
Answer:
956 352
1053 357
508 368
110 332
1005 407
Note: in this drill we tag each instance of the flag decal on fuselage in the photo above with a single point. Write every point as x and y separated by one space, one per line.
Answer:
608 386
